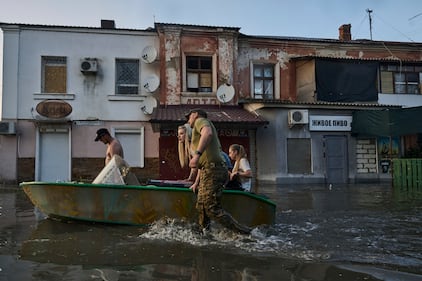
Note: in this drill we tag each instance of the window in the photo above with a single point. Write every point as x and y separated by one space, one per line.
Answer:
299 156
263 81
199 73
127 77
133 144
396 79
54 75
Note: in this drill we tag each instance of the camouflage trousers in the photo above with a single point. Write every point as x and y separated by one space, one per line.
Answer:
211 185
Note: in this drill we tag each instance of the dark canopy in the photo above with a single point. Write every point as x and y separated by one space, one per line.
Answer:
388 122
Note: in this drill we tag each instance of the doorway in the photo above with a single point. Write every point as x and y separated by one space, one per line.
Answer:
53 160
336 159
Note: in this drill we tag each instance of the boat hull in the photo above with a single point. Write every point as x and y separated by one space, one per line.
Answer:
139 205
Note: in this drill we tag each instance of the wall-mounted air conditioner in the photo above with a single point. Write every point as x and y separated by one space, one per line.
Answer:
298 116
89 65
7 128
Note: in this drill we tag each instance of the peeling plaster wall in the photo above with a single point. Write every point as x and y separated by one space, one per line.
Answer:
170 93
305 80
226 58
295 85
249 55
177 43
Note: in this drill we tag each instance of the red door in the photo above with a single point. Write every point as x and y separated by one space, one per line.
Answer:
169 157
169 160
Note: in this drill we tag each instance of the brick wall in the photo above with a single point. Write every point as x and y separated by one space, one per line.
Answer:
26 169
87 169
366 156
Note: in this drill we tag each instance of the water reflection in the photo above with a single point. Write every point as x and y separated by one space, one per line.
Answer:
343 233
123 253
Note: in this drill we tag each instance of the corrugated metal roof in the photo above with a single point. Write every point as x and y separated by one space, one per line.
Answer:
197 26
329 40
217 114
99 28
236 29
316 104
379 59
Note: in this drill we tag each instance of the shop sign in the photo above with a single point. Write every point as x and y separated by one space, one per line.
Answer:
54 108
330 123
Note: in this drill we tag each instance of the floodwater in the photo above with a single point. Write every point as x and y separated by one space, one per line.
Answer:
350 232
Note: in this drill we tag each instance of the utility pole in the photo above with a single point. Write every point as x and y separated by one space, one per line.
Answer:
370 22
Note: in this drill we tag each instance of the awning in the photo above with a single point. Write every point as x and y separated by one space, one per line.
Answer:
168 117
388 122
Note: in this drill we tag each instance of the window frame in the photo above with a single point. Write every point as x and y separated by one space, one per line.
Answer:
264 80
212 72
276 77
58 62
389 73
135 83
128 137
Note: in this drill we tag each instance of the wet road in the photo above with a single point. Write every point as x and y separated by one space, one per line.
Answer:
351 232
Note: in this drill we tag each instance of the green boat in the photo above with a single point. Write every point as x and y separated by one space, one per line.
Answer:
139 205
115 196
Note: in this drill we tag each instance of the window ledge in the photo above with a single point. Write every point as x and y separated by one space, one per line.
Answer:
125 98
50 96
198 94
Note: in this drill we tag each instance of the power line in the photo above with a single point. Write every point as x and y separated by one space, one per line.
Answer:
396 29
359 27
369 11
415 16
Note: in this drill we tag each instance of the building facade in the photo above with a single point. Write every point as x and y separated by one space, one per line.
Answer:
61 84
289 101
310 89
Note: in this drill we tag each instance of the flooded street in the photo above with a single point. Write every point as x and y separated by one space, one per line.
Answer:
351 232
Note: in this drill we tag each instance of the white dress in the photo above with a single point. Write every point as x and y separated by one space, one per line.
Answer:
243 167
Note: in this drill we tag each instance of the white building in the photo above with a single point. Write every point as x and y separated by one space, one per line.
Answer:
61 84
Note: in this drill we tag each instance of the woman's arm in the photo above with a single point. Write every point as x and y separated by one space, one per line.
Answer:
244 168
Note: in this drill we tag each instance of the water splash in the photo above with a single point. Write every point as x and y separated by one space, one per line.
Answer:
273 240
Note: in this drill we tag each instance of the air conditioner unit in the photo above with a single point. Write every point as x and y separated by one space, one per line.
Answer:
89 65
7 128
297 116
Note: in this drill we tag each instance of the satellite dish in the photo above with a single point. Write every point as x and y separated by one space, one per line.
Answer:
148 105
225 93
149 54
151 83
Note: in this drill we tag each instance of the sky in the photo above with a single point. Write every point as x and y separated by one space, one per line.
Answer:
392 20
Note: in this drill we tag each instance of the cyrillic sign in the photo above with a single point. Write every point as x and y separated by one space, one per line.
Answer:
330 123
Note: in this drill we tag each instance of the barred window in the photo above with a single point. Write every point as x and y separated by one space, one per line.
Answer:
127 76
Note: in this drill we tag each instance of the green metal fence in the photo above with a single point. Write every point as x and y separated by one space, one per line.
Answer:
407 173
